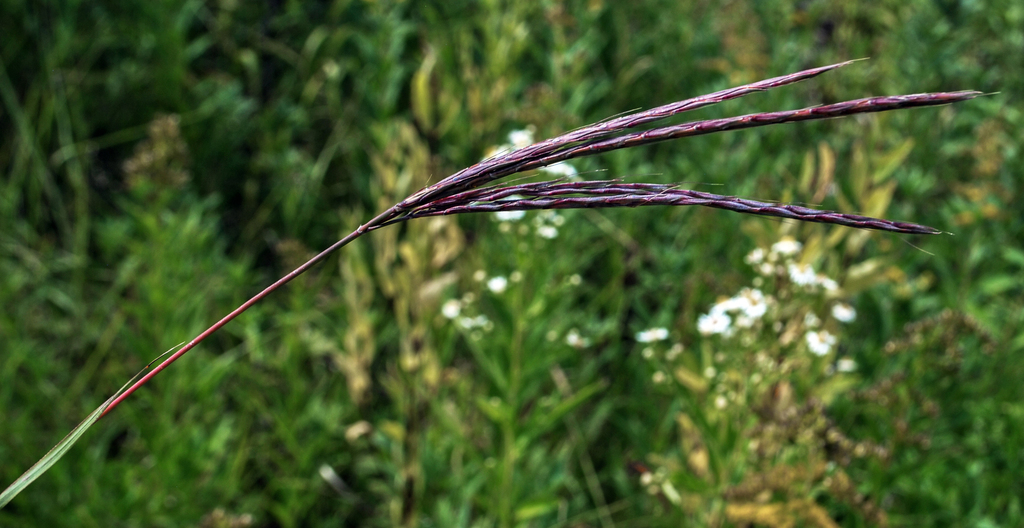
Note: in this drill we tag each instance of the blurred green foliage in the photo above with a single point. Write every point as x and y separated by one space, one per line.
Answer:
162 161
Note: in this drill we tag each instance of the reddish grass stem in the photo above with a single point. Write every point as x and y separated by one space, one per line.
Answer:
248 304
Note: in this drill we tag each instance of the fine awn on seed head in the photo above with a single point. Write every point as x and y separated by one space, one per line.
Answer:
470 190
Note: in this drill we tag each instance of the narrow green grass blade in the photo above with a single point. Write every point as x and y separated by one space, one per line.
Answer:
53 455
64 445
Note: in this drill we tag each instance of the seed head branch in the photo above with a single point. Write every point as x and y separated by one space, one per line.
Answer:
486 170
601 194
711 126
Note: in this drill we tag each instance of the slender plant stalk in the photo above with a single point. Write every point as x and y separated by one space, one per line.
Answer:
468 191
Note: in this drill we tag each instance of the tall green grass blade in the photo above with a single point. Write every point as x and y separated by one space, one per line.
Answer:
53 455
65 445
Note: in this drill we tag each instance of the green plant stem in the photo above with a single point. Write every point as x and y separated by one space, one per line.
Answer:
512 400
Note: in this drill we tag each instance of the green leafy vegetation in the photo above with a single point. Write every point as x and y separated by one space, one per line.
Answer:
164 161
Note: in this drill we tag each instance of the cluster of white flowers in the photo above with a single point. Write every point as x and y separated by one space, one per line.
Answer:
480 321
748 306
651 335
547 224
781 259
805 276
744 310
452 309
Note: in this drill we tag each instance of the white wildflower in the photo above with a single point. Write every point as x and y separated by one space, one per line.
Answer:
647 352
658 377
802 274
755 257
521 138
548 232
750 304
674 352
497 284
820 343
575 279
721 402
479 275
757 303
515 276
732 304
710 372
844 313
451 308
713 323
652 334
787 247
811 320
575 340
846 365
509 216
765 269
